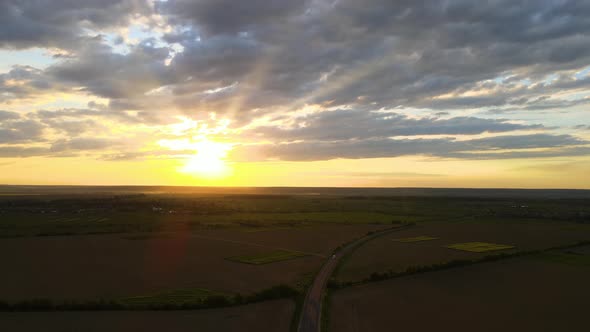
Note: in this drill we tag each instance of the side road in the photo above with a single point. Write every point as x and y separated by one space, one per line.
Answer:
312 306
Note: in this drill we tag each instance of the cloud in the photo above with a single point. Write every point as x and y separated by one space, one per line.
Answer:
361 124
295 52
22 152
486 148
61 24
24 82
95 112
6 115
526 141
231 17
378 52
383 78
105 73
74 128
82 144
15 130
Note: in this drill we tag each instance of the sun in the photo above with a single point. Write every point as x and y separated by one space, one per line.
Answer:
209 160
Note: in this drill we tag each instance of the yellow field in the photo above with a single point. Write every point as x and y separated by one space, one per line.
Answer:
479 246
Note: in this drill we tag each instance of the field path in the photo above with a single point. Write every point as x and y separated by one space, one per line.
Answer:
312 306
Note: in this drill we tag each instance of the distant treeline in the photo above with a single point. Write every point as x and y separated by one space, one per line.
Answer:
258 196
213 301
119 203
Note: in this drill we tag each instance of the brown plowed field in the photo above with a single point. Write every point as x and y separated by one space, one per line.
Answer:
114 266
521 294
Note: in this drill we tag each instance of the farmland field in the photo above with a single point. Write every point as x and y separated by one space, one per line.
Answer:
383 254
191 252
520 294
268 257
114 266
479 246
277 317
570 257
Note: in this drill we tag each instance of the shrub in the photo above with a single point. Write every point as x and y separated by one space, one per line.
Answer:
215 301
275 292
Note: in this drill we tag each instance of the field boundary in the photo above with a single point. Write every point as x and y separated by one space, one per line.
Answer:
412 270
208 302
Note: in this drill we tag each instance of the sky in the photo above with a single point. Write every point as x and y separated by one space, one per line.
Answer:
375 93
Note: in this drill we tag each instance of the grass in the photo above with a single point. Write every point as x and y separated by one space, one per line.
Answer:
415 239
479 246
568 257
173 297
268 257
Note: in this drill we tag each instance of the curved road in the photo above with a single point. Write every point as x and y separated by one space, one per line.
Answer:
312 306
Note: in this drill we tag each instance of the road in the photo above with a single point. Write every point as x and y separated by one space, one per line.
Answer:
312 306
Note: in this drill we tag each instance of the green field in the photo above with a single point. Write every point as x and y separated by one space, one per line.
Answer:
479 246
415 239
268 257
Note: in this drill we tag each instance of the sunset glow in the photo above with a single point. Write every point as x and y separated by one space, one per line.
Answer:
169 86
241 165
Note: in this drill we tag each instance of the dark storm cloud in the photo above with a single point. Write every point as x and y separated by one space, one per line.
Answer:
60 23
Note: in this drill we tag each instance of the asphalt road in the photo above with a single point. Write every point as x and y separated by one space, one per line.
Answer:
312 306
